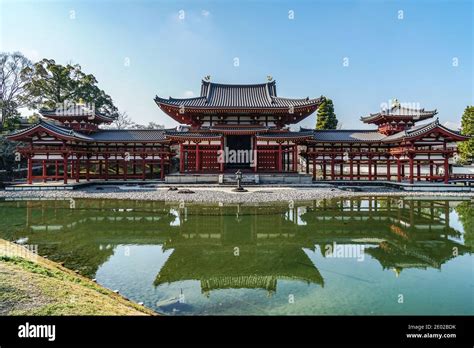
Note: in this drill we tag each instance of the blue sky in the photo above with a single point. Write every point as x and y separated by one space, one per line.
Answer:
407 55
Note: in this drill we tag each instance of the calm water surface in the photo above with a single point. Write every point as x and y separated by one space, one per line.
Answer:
374 255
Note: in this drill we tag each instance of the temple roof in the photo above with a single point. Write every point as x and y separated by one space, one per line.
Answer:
51 127
105 135
345 135
422 129
399 111
217 95
129 135
76 111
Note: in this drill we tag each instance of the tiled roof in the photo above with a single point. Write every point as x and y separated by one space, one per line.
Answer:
420 129
274 135
197 135
345 135
400 111
75 110
53 128
129 135
216 95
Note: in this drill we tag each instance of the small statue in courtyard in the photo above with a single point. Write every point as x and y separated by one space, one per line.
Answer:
238 177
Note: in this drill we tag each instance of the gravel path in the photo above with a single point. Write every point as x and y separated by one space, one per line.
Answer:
218 194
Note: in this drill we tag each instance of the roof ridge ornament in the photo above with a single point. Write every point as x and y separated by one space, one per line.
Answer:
207 78
395 103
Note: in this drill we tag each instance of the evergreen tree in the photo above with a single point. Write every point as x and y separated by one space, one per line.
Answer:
466 148
326 118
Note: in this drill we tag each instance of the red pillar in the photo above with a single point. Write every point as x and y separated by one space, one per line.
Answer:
181 158
314 167
375 169
65 169
125 169
56 170
388 170
332 167
30 170
351 169
162 167
78 169
418 171
399 177
358 169
295 158
221 165
197 157
44 174
370 168
411 169
106 168
144 168
88 165
446 169
280 158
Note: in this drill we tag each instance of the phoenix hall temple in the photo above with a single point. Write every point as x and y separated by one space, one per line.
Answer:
248 120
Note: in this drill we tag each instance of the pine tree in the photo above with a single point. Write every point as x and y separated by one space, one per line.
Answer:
466 148
326 118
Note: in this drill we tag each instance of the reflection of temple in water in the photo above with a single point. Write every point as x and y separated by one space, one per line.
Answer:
241 246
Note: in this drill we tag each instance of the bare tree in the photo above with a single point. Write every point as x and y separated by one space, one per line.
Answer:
122 121
150 125
12 84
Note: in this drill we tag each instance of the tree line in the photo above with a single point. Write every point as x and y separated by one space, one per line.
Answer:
47 84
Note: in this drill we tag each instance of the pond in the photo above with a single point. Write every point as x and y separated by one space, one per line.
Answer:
369 255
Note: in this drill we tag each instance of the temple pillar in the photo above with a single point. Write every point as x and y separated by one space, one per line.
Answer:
30 170
162 167
418 171
88 165
197 157
280 158
181 158
221 164
44 171
399 177
65 169
411 168
314 166
332 167
56 170
78 168
324 168
369 165
375 170
106 168
388 169
446 169
295 158
143 168
125 169
351 169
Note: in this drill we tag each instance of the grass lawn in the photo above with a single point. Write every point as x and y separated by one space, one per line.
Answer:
32 285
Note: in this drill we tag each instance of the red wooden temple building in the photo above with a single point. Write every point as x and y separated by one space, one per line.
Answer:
245 127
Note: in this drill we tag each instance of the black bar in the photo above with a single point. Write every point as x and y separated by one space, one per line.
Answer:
289 330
